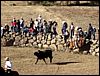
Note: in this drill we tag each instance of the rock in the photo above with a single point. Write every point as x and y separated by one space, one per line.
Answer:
10 42
34 38
95 46
23 45
57 43
38 41
85 52
97 54
59 40
30 41
14 35
34 43
90 51
39 37
48 42
43 42
4 42
40 45
27 34
27 45
43 37
94 42
49 37
45 46
76 51
30 44
17 38
97 50
60 47
53 41
53 47
62 42
94 53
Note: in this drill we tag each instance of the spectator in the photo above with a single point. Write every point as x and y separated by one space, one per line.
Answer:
44 26
85 34
66 36
75 39
36 23
54 28
18 24
40 27
31 23
94 31
6 29
22 22
50 23
72 30
31 30
80 33
25 30
39 18
8 65
13 25
64 26
2 31
90 31
98 33
14 19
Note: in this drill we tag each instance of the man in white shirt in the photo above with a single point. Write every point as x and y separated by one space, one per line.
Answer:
2 30
72 30
8 65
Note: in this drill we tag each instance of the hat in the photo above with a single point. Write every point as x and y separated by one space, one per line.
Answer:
39 15
5 24
63 22
50 20
7 58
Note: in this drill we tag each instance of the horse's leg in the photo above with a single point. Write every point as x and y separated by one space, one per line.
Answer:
50 59
44 60
36 61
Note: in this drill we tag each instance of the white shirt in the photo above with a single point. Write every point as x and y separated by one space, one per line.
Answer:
72 27
21 21
39 18
8 65
36 24
1 28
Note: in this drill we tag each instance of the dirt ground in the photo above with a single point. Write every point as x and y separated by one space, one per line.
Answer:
64 63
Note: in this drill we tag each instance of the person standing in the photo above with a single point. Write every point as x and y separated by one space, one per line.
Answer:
8 65
2 30
64 26
21 24
90 31
94 31
54 27
72 30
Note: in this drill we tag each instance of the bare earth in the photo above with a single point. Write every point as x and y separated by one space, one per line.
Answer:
64 63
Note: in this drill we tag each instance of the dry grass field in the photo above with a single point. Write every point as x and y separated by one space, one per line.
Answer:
64 63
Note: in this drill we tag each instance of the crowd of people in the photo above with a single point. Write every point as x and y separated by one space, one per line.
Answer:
40 25
44 27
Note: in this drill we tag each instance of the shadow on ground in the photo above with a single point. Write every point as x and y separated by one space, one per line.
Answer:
64 63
